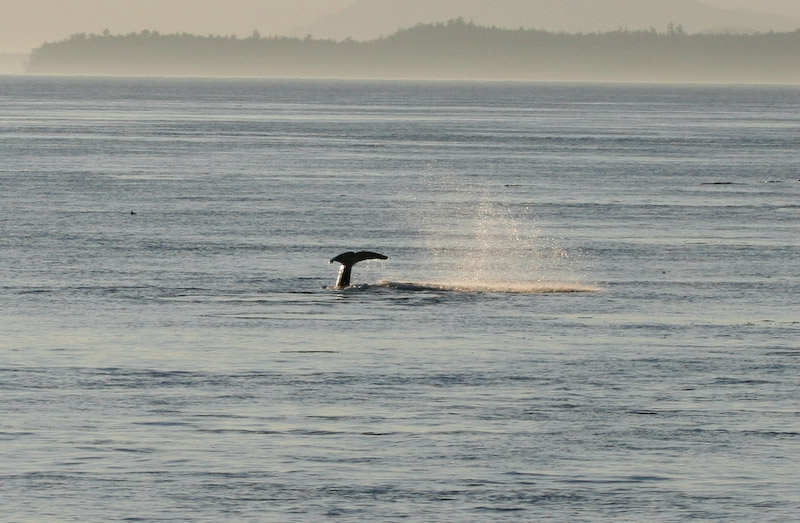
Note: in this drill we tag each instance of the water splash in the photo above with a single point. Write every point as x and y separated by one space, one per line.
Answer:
478 242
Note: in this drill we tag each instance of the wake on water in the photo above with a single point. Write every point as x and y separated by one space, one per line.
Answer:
482 287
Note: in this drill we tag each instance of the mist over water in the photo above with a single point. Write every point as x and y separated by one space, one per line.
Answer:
479 240
589 309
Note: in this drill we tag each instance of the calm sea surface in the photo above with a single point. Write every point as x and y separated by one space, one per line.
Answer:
590 310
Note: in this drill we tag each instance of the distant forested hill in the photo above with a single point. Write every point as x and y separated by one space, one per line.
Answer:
367 19
455 50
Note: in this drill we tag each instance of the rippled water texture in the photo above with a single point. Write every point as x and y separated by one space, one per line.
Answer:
589 309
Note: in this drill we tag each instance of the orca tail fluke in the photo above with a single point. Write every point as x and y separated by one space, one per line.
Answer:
350 258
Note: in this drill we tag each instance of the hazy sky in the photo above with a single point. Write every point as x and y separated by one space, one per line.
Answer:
25 24
786 7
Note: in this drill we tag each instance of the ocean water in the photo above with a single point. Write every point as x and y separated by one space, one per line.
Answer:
589 312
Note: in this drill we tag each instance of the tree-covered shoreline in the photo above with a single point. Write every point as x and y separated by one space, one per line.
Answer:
452 50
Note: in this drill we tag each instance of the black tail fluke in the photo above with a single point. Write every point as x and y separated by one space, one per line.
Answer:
350 258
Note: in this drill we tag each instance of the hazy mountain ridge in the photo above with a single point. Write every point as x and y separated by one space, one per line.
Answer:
368 19
453 50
